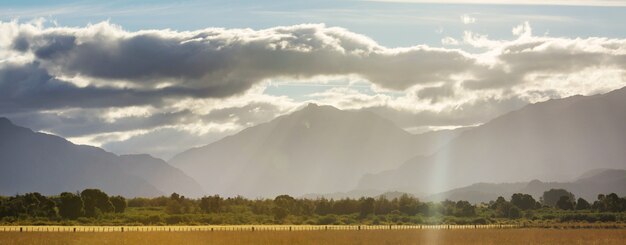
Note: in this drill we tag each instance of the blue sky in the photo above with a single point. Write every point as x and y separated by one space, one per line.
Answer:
109 74
389 23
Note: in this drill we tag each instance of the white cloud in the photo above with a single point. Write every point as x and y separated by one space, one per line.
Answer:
449 41
106 86
467 19
523 30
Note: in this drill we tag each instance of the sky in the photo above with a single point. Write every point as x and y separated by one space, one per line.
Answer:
160 77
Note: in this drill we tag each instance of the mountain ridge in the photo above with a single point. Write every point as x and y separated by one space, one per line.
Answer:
38 162
553 140
316 149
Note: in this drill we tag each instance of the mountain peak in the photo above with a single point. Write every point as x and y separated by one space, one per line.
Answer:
312 105
315 107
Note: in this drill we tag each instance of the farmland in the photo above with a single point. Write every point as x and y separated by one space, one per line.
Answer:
407 236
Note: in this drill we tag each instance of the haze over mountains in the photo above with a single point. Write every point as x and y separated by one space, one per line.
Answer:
587 186
321 149
38 162
317 149
555 140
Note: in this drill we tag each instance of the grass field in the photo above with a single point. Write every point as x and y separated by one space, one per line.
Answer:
460 236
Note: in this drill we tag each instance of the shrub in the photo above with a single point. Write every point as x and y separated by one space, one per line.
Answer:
327 220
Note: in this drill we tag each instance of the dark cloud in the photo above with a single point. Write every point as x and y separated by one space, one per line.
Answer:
89 122
40 69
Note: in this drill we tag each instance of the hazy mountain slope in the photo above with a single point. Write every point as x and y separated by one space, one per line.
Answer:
480 192
554 140
318 149
37 162
164 177
600 181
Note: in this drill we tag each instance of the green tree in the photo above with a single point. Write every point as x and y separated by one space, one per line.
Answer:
408 204
37 205
323 207
582 204
514 212
211 204
499 201
523 201
610 203
96 201
285 201
383 206
280 213
119 203
553 195
174 206
565 203
464 209
70 206
367 206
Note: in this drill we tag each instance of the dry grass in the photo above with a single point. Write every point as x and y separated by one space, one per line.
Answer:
467 236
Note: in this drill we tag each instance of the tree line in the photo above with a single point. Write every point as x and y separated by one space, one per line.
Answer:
88 203
94 203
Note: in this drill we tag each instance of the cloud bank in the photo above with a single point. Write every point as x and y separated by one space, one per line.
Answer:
103 85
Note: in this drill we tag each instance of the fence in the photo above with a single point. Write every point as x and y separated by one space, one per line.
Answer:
250 228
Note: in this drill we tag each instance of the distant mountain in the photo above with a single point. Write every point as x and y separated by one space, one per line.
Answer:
160 174
601 181
38 162
318 149
554 140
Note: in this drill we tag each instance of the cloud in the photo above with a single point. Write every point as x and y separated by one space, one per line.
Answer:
467 19
449 41
150 67
106 86
211 63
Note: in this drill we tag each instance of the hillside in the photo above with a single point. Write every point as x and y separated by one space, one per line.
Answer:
318 149
587 186
554 140
38 162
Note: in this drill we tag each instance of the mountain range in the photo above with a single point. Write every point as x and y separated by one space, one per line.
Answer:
555 140
587 186
317 149
38 162
576 143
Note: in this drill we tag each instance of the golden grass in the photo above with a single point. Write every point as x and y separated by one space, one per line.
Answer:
460 236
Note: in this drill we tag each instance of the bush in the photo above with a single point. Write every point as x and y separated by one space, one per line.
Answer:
607 218
515 213
480 221
327 220
174 219
588 218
